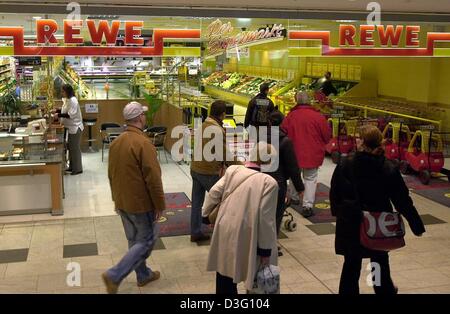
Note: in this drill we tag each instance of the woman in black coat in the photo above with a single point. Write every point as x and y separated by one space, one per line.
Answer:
287 167
379 185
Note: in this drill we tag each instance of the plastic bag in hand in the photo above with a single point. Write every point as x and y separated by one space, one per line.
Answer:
267 280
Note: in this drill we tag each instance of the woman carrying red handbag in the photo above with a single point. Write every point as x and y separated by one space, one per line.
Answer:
363 189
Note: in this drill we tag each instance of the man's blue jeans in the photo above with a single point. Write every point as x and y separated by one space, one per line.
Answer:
200 185
141 235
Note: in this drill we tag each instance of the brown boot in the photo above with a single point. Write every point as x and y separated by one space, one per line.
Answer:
111 287
156 276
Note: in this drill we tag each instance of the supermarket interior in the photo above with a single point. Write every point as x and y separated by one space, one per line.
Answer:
395 76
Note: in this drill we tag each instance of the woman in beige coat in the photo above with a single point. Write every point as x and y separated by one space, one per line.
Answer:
244 235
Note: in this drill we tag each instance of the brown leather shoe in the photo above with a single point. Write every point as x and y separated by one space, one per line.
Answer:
156 276
200 238
111 287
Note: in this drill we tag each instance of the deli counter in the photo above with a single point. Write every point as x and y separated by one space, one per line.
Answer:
31 173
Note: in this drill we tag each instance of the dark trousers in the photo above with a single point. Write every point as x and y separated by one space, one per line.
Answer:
225 285
281 205
200 185
351 272
74 143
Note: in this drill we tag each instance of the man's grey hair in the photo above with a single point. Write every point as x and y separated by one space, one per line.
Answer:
302 98
134 120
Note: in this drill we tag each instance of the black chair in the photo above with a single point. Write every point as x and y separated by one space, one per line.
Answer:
106 137
157 135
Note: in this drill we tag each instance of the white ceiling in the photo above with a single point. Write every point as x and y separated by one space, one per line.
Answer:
401 6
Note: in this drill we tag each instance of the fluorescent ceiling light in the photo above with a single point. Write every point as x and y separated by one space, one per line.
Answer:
103 17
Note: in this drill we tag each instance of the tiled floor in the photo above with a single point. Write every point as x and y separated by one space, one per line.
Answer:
309 264
323 228
80 250
38 253
89 194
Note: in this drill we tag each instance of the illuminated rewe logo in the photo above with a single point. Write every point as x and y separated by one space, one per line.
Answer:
103 36
373 40
220 36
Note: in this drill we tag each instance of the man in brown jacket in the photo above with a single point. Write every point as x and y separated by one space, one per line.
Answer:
137 191
205 170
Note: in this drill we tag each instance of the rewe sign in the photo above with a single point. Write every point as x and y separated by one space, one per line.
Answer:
376 40
46 29
103 36
388 35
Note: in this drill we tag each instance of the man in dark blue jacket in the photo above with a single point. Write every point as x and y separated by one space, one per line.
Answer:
259 108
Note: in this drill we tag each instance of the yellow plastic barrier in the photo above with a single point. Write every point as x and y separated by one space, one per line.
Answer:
366 109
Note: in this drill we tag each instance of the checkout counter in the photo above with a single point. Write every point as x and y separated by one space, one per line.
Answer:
31 171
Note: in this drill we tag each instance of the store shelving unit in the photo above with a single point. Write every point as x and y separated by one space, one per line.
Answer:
6 75
70 76
194 104
239 88
101 72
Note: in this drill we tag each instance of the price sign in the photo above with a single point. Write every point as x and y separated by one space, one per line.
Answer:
241 150
344 72
91 108
429 127
357 73
351 72
337 71
309 69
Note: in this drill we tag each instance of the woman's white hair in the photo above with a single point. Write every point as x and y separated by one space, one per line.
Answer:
302 98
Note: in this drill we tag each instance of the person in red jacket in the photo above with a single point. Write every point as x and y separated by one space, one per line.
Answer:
309 131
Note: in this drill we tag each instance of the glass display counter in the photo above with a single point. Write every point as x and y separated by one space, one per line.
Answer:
31 173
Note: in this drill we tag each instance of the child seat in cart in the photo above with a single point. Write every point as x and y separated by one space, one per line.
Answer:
343 138
425 156
397 137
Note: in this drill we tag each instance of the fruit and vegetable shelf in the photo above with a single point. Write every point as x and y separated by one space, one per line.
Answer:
242 84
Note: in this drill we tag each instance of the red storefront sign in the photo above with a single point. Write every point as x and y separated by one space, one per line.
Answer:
389 37
102 33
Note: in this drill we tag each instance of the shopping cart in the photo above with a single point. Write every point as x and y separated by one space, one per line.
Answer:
396 136
426 154
343 137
